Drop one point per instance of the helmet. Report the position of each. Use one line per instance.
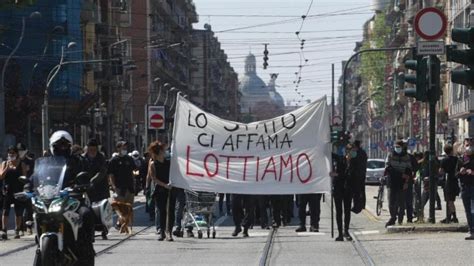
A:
(60, 137)
(135, 154)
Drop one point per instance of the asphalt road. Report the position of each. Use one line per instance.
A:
(288, 247)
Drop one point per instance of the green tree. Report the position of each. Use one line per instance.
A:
(373, 64)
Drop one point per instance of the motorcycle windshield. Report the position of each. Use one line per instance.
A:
(48, 176)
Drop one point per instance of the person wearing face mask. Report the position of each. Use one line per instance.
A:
(398, 169)
(342, 191)
(120, 173)
(10, 172)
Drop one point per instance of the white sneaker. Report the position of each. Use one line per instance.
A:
(470, 236)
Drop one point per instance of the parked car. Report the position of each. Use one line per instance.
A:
(375, 170)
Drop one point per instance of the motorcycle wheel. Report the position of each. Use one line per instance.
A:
(49, 251)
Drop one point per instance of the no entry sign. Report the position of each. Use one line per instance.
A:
(156, 117)
(430, 23)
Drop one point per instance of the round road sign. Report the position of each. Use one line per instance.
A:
(430, 23)
(156, 121)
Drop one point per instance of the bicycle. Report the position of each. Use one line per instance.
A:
(380, 195)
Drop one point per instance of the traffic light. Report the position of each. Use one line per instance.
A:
(335, 136)
(434, 91)
(419, 92)
(462, 56)
(265, 57)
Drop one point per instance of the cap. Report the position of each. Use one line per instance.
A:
(92, 142)
(120, 143)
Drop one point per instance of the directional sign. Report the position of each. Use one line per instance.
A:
(156, 117)
(430, 23)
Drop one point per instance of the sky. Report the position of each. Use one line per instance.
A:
(330, 30)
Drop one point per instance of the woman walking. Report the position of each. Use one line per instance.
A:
(165, 196)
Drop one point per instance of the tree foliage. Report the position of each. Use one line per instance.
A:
(373, 64)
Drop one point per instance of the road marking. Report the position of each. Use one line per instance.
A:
(372, 232)
(311, 234)
(369, 214)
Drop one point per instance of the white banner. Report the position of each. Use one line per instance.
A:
(289, 154)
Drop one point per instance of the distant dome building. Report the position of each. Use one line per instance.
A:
(254, 90)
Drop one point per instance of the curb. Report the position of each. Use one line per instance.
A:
(426, 228)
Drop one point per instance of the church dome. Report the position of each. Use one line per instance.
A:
(277, 99)
(250, 83)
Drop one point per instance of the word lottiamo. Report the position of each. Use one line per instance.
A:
(239, 139)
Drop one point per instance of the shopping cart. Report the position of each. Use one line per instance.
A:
(200, 212)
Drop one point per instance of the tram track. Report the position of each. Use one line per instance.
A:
(267, 249)
(361, 250)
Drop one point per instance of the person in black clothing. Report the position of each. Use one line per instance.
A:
(121, 174)
(227, 204)
(10, 173)
(60, 145)
(28, 159)
(360, 172)
(165, 195)
(466, 178)
(95, 163)
(279, 210)
(314, 202)
(451, 188)
(243, 213)
(342, 192)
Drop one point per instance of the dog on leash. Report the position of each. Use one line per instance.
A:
(125, 213)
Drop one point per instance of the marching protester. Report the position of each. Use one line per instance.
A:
(399, 170)
(466, 177)
(120, 172)
(10, 173)
(314, 202)
(95, 163)
(139, 173)
(243, 213)
(342, 191)
(279, 210)
(227, 204)
(451, 187)
(357, 171)
(165, 195)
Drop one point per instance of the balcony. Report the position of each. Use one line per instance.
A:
(462, 109)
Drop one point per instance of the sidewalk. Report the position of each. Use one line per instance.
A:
(371, 192)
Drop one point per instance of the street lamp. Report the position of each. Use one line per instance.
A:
(33, 15)
(167, 92)
(45, 110)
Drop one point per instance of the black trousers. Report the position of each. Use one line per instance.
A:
(166, 202)
(221, 202)
(396, 203)
(279, 209)
(243, 210)
(262, 206)
(343, 201)
(314, 202)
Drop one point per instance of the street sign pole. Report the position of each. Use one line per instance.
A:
(432, 170)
